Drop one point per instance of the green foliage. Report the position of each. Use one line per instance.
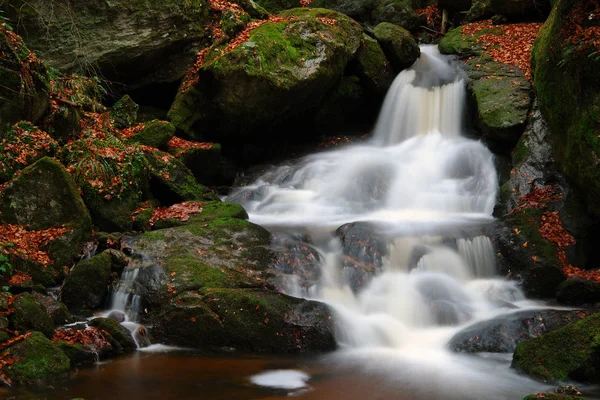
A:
(6, 268)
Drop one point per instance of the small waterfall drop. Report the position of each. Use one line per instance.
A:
(430, 192)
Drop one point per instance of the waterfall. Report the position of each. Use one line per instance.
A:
(430, 193)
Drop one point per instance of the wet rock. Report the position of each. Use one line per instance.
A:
(116, 316)
(372, 67)
(25, 82)
(577, 291)
(44, 196)
(118, 259)
(86, 287)
(78, 355)
(566, 353)
(125, 112)
(446, 300)
(58, 311)
(502, 334)
(397, 44)
(455, 5)
(155, 134)
(256, 320)
(363, 249)
(120, 338)
(236, 100)
(30, 315)
(297, 260)
(38, 360)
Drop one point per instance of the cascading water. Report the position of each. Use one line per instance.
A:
(431, 192)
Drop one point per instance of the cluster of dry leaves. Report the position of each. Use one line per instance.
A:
(28, 244)
(582, 27)
(91, 337)
(433, 15)
(538, 198)
(133, 130)
(509, 44)
(179, 146)
(22, 146)
(182, 212)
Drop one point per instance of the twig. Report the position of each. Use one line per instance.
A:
(432, 30)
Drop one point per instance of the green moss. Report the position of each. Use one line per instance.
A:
(31, 315)
(571, 352)
(372, 66)
(125, 112)
(39, 360)
(86, 287)
(397, 12)
(398, 45)
(189, 273)
(520, 153)
(566, 83)
(527, 222)
(77, 354)
(142, 220)
(155, 134)
(465, 45)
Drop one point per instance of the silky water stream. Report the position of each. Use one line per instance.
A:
(430, 192)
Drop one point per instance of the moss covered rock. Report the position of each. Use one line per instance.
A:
(343, 107)
(203, 159)
(249, 319)
(552, 396)
(38, 360)
(502, 95)
(155, 134)
(120, 337)
(464, 45)
(172, 182)
(44, 196)
(566, 81)
(112, 175)
(397, 12)
(25, 82)
(277, 77)
(31, 315)
(372, 66)
(86, 287)
(577, 291)
(571, 352)
(125, 112)
(397, 43)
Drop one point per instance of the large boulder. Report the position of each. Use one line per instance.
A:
(372, 67)
(277, 77)
(25, 83)
(203, 159)
(578, 291)
(37, 360)
(206, 285)
(119, 337)
(135, 43)
(397, 12)
(86, 286)
(44, 196)
(398, 45)
(567, 85)
(571, 352)
(502, 334)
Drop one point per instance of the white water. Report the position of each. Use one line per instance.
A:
(425, 185)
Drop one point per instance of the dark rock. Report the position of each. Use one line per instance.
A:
(398, 45)
(372, 67)
(502, 334)
(455, 5)
(116, 316)
(512, 10)
(59, 312)
(363, 250)
(567, 353)
(297, 260)
(205, 163)
(31, 315)
(577, 291)
(125, 112)
(86, 287)
(120, 337)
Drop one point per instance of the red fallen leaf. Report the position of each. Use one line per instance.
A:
(182, 212)
(193, 319)
(28, 244)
